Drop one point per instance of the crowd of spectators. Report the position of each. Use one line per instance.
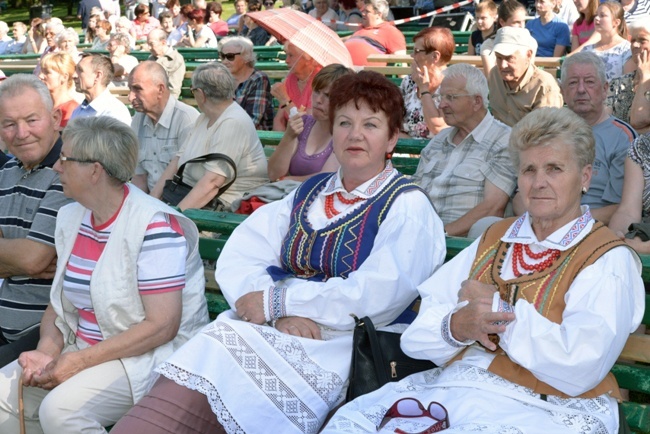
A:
(481, 165)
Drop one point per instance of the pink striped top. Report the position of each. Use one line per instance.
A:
(161, 265)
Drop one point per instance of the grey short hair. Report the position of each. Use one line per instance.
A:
(215, 80)
(123, 40)
(55, 25)
(545, 124)
(639, 25)
(60, 36)
(154, 70)
(583, 58)
(17, 83)
(4, 28)
(245, 46)
(381, 6)
(475, 81)
(106, 140)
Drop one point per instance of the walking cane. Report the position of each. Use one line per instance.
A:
(21, 406)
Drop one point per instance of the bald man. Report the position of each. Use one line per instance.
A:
(162, 123)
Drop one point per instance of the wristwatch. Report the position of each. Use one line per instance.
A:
(647, 95)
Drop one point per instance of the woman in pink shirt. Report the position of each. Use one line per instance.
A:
(144, 22)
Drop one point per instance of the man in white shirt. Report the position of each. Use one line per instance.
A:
(92, 75)
(162, 123)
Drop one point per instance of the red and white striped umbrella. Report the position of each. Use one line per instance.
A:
(306, 33)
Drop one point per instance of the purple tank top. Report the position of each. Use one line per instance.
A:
(302, 164)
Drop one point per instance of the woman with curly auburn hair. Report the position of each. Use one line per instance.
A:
(287, 341)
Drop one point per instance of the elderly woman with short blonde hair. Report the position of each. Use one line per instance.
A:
(57, 72)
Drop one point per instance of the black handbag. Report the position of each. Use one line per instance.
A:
(377, 358)
(175, 189)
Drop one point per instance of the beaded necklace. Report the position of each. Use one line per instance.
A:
(518, 260)
(330, 211)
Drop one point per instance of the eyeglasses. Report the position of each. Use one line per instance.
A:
(194, 89)
(448, 97)
(424, 50)
(228, 56)
(63, 159)
(75, 160)
(412, 408)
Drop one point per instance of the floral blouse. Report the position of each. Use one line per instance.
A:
(614, 58)
(414, 123)
(620, 96)
(640, 153)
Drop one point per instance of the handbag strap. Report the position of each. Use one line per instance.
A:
(178, 177)
(380, 365)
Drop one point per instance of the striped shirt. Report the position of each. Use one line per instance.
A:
(639, 11)
(29, 203)
(161, 265)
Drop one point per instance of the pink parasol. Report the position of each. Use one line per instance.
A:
(306, 33)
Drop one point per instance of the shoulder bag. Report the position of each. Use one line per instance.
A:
(175, 189)
(377, 358)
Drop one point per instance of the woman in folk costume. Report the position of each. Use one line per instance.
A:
(527, 322)
(355, 241)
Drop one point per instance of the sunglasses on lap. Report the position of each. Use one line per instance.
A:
(412, 408)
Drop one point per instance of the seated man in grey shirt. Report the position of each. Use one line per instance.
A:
(584, 87)
(466, 169)
(162, 123)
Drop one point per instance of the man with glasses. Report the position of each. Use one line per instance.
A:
(170, 59)
(466, 169)
(516, 85)
(30, 198)
(93, 74)
(162, 123)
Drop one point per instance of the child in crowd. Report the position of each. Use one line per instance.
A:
(583, 28)
(486, 17)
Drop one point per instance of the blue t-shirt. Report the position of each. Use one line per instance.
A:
(613, 139)
(548, 36)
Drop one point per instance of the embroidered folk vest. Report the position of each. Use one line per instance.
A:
(340, 247)
(545, 290)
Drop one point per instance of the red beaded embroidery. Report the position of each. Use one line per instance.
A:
(330, 211)
(551, 256)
